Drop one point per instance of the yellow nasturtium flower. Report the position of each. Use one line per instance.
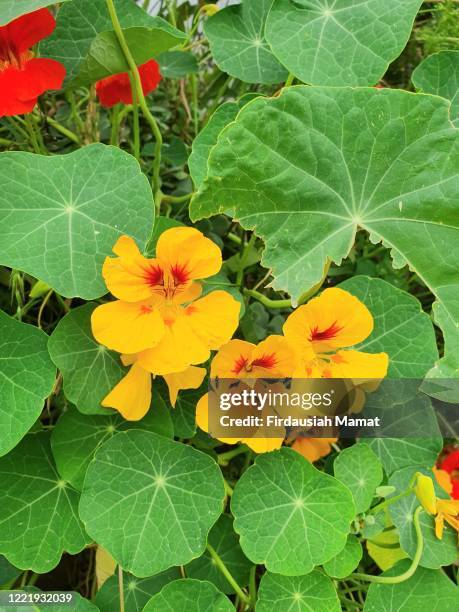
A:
(272, 358)
(320, 329)
(313, 449)
(442, 509)
(159, 322)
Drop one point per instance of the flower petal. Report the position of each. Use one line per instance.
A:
(25, 31)
(273, 358)
(263, 445)
(191, 378)
(188, 254)
(202, 418)
(425, 492)
(313, 449)
(132, 395)
(214, 318)
(335, 319)
(127, 328)
(356, 364)
(231, 357)
(114, 89)
(150, 76)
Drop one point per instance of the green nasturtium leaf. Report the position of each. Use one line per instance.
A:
(313, 592)
(190, 595)
(238, 45)
(401, 328)
(150, 502)
(137, 591)
(8, 572)
(345, 561)
(289, 515)
(38, 515)
(27, 377)
(61, 215)
(177, 64)
(12, 9)
(305, 170)
(435, 553)
(346, 42)
(76, 437)
(439, 74)
(89, 370)
(226, 544)
(93, 52)
(360, 470)
(426, 590)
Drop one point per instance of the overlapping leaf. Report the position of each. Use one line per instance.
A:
(150, 502)
(12, 9)
(283, 495)
(190, 595)
(61, 215)
(360, 470)
(345, 561)
(342, 42)
(92, 52)
(307, 169)
(38, 515)
(238, 45)
(27, 377)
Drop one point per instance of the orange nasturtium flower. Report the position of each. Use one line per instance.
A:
(319, 331)
(442, 509)
(159, 323)
(272, 358)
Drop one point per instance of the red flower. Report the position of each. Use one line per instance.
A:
(117, 88)
(450, 464)
(22, 77)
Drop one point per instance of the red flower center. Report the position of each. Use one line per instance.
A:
(10, 56)
(265, 361)
(325, 334)
(167, 283)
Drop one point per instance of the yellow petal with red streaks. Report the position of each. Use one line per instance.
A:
(191, 378)
(188, 254)
(273, 358)
(132, 395)
(231, 358)
(127, 328)
(336, 319)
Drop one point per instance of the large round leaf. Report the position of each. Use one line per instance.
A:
(12, 9)
(346, 42)
(77, 436)
(427, 590)
(347, 560)
(289, 515)
(38, 514)
(26, 378)
(89, 370)
(189, 595)
(150, 501)
(401, 328)
(313, 592)
(439, 74)
(307, 169)
(238, 45)
(61, 215)
(92, 52)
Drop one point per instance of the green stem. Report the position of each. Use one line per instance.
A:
(243, 260)
(63, 130)
(274, 304)
(194, 92)
(121, 587)
(389, 501)
(135, 120)
(115, 120)
(31, 133)
(177, 199)
(228, 488)
(156, 180)
(224, 458)
(414, 564)
(225, 571)
(253, 584)
(146, 5)
(290, 79)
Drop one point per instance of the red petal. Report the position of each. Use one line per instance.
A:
(150, 76)
(19, 89)
(24, 32)
(114, 89)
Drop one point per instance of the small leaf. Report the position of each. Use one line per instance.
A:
(315, 591)
(12, 9)
(150, 501)
(226, 544)
(177, 64)
(345, 561)
(92, 53)
(339, 43)
(27, 377)
(436, 553)
(38, 515)
(281, 496)
(361, 471)
(61, 215)
(439, 74)
(238, 45)
(189, 595)
(76, 437)
(137, 591)
(426, 590)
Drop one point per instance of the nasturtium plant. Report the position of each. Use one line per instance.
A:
(229, 314)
